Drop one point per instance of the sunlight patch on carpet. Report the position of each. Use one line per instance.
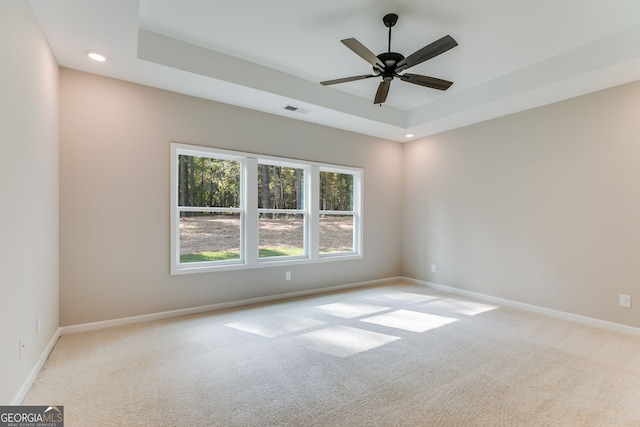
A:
(276, 325)
(343, 341)
(401, 297)
(468, 308)
(349, 310)
(411, 321)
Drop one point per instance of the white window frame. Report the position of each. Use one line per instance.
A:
(249, 242)
(304, 211)
(356, 212)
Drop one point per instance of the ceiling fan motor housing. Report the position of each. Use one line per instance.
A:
(389, 59)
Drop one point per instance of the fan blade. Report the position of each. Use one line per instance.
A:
(364, 53)
(347, 79)
(431, 82)
(427, 52)
(383, 90)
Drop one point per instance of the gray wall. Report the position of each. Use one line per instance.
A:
(114, 198)
(541, 207)
(28, 194)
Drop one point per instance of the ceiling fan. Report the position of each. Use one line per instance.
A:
(389, 64)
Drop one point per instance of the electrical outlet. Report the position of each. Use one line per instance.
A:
(287, 275)
(625, 301)
(433, 268)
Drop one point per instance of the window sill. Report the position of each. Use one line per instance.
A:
(205, 267)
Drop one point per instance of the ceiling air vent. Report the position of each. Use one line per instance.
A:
(296, 109)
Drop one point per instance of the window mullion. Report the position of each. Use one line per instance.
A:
(251, 211)
(357, 206)
(175, 213)
(312, 204)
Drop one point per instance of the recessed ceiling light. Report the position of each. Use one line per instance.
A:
(96, 56)
(409, 135)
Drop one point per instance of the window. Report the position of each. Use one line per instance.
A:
(209, 208)
(281, 216)
(232, 210)
(338, 219)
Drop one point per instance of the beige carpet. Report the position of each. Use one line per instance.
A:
(387, 356)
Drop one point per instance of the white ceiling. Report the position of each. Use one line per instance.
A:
(512, 54)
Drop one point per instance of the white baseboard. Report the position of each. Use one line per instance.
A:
(214, 307)
(589, 321)
(26, 386)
